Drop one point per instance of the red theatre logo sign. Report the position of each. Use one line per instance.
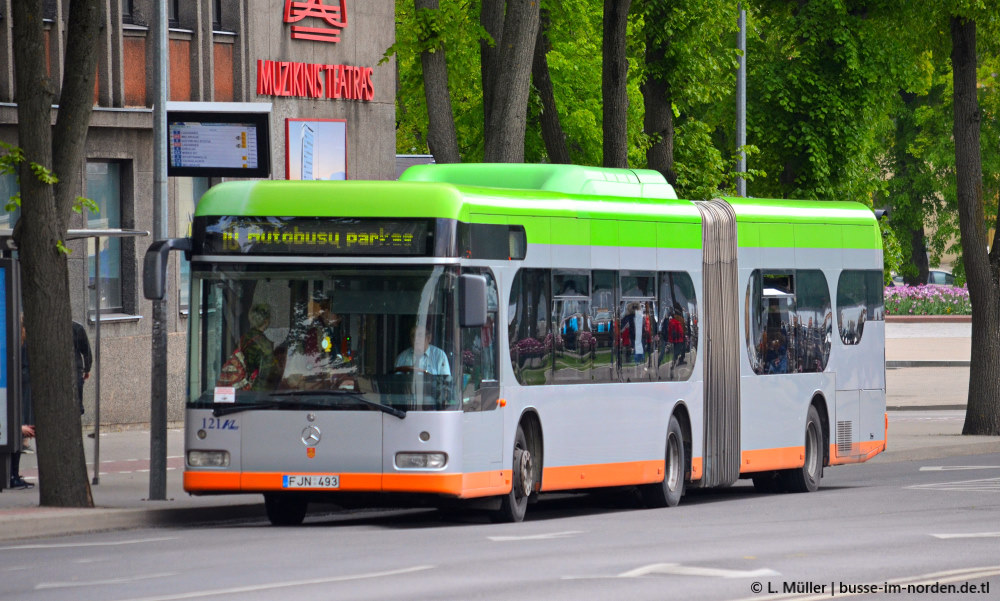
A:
(331, 19)
(315, 20)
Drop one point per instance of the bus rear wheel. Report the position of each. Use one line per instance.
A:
(807, 477)
(514, 504)
(668, 493)
(285, 509)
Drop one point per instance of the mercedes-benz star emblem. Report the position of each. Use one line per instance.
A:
(311, 436)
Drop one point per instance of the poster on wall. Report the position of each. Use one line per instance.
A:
(316, 149)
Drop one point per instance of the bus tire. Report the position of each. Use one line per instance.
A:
(285, 509)
(807, 477)
(668, 492)
(514, 504)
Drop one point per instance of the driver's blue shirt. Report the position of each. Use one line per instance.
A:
(434, 361)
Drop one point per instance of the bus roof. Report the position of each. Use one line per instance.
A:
(559, 195)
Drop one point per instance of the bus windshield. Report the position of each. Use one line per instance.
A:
(364, 338)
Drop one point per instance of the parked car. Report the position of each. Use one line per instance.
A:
(937, 277)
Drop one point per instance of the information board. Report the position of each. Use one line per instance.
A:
(218, 144)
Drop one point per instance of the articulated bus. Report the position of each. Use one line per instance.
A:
(487, 333)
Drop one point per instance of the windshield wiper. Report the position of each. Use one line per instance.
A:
(348, 393)
(236, 408)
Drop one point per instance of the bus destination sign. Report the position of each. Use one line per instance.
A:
(308, 236)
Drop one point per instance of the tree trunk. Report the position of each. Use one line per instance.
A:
(659, 119)
(441, 137)
(62, 470)
(491, 18)
(504, 132)
(982, 270)
(614, 91)
(552, 132)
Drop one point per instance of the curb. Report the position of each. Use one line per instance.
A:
(37, 522)
(928, 318)
(926, 407)
(921, 363)
(940, 452)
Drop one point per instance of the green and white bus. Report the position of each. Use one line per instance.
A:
(492, 332)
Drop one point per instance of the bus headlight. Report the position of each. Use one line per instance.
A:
(208, 458)
(421, 461)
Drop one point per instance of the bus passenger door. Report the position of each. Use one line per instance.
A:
(482, 423)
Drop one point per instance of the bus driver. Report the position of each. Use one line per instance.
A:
(423, 355)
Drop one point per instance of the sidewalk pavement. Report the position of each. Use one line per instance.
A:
(927, 380)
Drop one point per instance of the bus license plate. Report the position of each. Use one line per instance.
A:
(296, 481)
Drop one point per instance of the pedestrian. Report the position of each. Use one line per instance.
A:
(27, 419)
(83, 359)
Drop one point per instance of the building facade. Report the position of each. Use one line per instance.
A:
(332, 117)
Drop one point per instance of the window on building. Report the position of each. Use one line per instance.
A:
(173, 13)
(8, 188)
(104, 187)
(217, 15)
(128, 11)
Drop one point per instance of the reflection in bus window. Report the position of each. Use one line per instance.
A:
(529, 332)
(788, 321)
(859, 299)
(678, 332)
(479, 359)
(574, 341)
(604, 326)
(335, 330)
(638, 322)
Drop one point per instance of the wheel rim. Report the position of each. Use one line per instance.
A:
(522, 465)
(812, 456)
(673, 475)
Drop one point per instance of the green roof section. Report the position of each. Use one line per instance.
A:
(774, 223)
(566, 179)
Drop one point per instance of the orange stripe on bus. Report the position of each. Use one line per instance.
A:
(697, 468)
(763, 460)
(859, 453)
(477, 484)
(603, 474)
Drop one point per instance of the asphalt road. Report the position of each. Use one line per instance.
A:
(877, 524)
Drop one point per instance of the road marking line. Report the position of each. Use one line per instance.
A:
(138, 541)
(969, 535)
(676, 569)
(951, 468)
(548, 536)
(979, 485)
(125, 580)
(279, 585)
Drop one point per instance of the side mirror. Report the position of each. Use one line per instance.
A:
(154, 266)
(472, 300)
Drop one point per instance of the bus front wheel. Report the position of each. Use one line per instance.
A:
(514, 504)
(668, 493)
(285, 509)
(807, 477)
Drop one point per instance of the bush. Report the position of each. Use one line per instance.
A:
(927, 300)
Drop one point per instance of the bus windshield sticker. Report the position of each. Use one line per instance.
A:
(286, 236)
(225, 394)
